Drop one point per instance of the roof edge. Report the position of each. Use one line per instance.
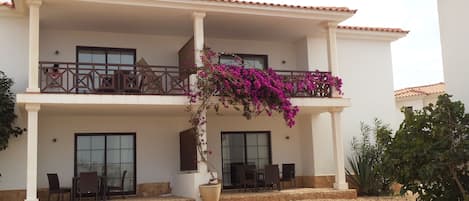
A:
(373, 29)
(370, 33)
(277, 5)
(417, 91)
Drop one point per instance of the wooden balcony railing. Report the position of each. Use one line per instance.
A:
(322, 90)
(92, 78)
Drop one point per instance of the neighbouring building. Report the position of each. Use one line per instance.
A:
(415, 98)
(89, 106)
(454, 42)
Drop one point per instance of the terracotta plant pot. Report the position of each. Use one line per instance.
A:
(210, 192)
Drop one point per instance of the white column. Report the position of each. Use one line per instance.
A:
(198, 27)
(340, 182)
(31, 180)
(33, 84)
(332, 52)
(198, 36)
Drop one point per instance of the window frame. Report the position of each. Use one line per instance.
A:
(105, 134)
(264, 57)
(106, 50)
(244, 133)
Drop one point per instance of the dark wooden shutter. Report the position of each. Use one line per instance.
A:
(186, 59)
(188, 150)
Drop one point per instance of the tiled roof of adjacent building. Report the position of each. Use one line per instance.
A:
(377, 29)
(319, 8)
(424, 90)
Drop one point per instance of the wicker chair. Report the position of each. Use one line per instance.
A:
(288, 173)
(54, 187)
(88, 184)
(272, 176)
(247, 176)
(119, 188)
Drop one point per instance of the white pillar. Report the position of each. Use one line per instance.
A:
(31, 179)
(198, 27)
(33, 84)
(340, 182)
(332, 52)
(198, 36)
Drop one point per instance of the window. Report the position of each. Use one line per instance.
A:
(239, 148)
(98, 68)
(104, 55)
(248, 60)
(109, 155)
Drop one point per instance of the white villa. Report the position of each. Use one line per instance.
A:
(86, 108)
(415, 98)
(454, 42)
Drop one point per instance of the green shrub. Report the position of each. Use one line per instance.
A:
(7, 112)
(429, 154)
(367, 169)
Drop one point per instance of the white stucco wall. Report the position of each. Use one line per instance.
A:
(157, 49)
(454, 42)
(366, 69)
(14, 62)
(157, 140)
(276, 51)
(14, 50)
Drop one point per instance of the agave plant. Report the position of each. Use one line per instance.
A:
(367, 171)
(363, 175)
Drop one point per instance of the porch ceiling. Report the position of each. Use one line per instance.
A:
(91, 16)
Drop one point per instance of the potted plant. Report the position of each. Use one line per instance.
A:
(248, 90)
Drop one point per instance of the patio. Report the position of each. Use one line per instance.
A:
(290, 194)
(283, 195)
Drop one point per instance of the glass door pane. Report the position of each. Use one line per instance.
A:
(120, 158)
(258, 150)
(252, 148)
(90, 154)
(254, 62)
(233, 148)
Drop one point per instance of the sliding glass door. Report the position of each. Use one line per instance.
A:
(239, 148)
(109, 155)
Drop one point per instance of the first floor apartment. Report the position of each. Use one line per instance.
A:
(146, 143)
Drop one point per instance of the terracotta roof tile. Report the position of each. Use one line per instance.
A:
(319, 8)
(377, 29)
(424, 90)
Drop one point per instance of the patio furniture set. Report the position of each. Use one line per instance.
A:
(87, 184)
(247, 176)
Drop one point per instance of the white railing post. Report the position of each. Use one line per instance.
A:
(33, 81)
(31, 167)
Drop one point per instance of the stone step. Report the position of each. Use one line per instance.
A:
(290, 195)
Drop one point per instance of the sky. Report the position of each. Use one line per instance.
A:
(417, 57)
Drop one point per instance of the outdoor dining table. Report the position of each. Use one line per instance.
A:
(103, 187)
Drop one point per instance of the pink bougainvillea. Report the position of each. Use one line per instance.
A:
(253, 91)
(250, 91)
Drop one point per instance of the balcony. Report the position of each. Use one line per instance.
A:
(122, 79)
